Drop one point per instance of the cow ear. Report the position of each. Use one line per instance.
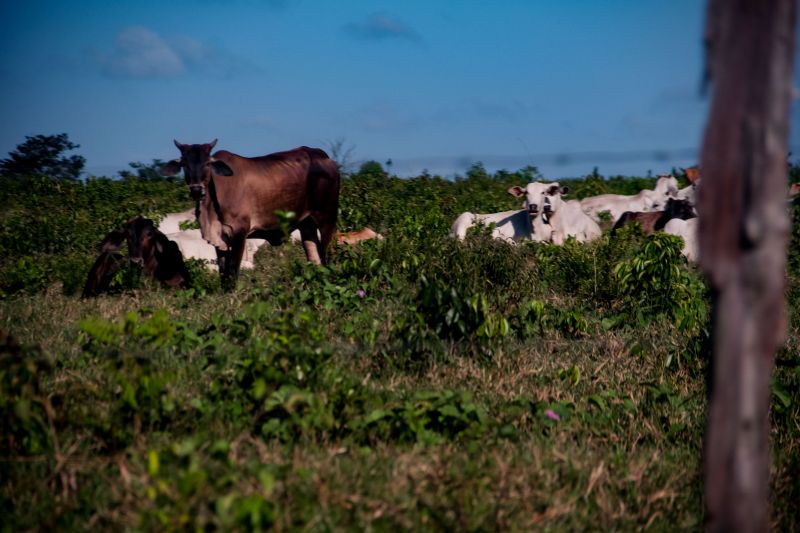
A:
(221, 167)
(170, 168)
(516, 190)
(564, 190)
(113, 241)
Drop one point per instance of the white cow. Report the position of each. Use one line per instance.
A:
(553, 219)
(688, 193)
(644, 201)
(509, 226)
(687, 230)
(666, 184)
(172, 222)
(193, 246)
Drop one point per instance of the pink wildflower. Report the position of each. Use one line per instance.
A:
(552, 415)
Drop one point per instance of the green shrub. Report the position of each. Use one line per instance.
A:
(655, 281)
(142, 395)
(26, 414)
(187, 487)
(427, 417)
(586, 270)
(49, 228)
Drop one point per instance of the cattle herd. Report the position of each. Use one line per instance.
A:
(547, 217)
(239, 203)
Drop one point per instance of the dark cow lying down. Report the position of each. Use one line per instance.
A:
(655, 221)
(147, 247)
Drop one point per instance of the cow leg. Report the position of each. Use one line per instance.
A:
(311, 241)
(229, 261)
(326, 232)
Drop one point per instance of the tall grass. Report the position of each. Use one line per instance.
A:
(413, 383)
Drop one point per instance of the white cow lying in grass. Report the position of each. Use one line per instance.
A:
(509, 226)
(553, 219)
(546, 218)
(193, 246)
(172, 222)
(644, 201)
(687, 230)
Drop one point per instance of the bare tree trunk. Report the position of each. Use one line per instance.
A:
(744, 229)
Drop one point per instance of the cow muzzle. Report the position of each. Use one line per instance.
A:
(138, 261)
(197, 192)
(533, 210)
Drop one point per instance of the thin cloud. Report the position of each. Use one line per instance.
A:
(382, 27)
(142, 53)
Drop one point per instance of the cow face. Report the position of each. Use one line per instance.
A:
(140, 234)
(540, 198)
(197, 165)
(142, 241)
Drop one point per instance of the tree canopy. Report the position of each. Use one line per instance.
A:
(43, 155)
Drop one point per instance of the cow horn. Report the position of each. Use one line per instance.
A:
(179, 145)
(212, 144)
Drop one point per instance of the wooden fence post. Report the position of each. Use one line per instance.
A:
(744, 229)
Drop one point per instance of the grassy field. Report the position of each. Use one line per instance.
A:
(414, 383)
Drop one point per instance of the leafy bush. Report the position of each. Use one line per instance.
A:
(287, 352)
(427, 417)
(143, 390)
(654, 282)
(186, 486)
(26, 414)
(49, 228)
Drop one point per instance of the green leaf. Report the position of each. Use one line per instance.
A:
(597, 401)
(152, 463)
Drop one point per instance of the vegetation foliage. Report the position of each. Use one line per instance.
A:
(42, 155)
(413, 383)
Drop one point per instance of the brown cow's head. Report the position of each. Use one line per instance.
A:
(142, 238)
(692, 173)
(197, 165)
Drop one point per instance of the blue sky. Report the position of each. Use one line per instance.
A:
(435, 85)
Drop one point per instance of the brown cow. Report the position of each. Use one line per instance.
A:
(147, 247)
(354, 237)
(655, 221)
(692, 173)
(102, 272)
(238, 197)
